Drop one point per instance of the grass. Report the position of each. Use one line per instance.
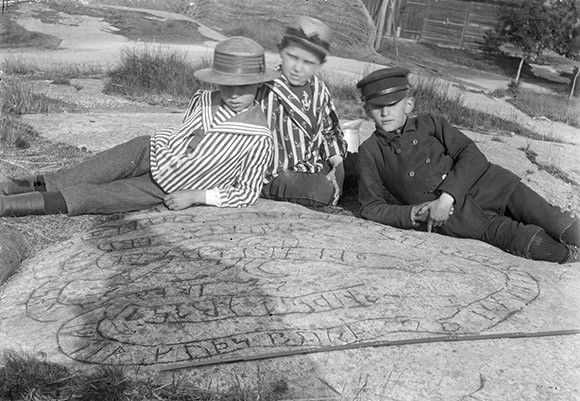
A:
(554, 107)
(17, 96)
(35, 68)
(345, 97)
(28, 377)
(152, 73)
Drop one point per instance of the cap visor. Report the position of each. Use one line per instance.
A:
(388, 100)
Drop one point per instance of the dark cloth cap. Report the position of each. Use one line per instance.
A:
(310, 32)
(385, 87)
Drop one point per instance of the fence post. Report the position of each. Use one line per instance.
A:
(465, 24)
(381, 25)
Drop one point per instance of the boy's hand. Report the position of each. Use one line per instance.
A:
(180, 200)
(439, 210)
(419, 214)
(337, 168)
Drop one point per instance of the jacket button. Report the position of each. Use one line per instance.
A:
(415, 142)
(427, 161)
(411, 173)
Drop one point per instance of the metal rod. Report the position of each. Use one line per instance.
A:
(384, 343)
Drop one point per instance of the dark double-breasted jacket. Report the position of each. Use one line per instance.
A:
(418, 162)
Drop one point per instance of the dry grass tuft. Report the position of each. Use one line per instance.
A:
(552, 106)
(149, 72)
(24, 376)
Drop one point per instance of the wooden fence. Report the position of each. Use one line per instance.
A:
(450, 23)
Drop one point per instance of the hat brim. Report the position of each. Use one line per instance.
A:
(213, 77)
(389, 99)
(308, 44)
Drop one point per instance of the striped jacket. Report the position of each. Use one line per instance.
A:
(232, 156)
(299, 146)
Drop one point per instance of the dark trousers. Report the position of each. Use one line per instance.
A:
(308, 189)
(527, 213)
(115, 180)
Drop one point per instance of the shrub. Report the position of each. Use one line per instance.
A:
(150, 71)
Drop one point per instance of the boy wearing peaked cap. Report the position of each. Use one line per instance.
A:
(444, 183)
(309, 148)
(218, 156)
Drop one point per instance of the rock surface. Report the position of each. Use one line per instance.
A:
(158, 288)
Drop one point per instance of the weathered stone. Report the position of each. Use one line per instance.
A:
(154, 289)
(13, 250)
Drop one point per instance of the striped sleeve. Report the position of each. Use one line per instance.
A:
(246, 188)
(333, 143)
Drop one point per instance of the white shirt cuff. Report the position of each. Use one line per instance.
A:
(212, 197)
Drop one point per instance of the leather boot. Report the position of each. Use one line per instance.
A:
(18, 185)
(572, 256)
(22, 205)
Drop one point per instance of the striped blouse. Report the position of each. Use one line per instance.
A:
(298, 144)
(232, 156)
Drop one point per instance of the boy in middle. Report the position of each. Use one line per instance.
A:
(307, 166)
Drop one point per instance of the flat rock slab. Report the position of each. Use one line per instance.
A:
(159, 288)
(96, 132)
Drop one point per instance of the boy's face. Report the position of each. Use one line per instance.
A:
(298, 64)
(392, 117)
(239, 98)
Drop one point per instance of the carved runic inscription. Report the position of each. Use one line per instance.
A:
(179, 287)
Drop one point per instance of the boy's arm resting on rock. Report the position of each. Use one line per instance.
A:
(371, 197)
(246, 190)
(185, 198)
(469, 162)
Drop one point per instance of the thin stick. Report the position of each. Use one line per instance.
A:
(304, 351)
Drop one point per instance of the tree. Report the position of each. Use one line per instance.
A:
(567, 12)
(536, 25)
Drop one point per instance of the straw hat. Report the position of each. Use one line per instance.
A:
(310, 32)
(237, 61)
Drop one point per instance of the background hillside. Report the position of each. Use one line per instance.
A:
(264, 20)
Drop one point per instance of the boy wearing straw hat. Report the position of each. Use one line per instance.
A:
(309, 147)
(218, 156)
(444, 183)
